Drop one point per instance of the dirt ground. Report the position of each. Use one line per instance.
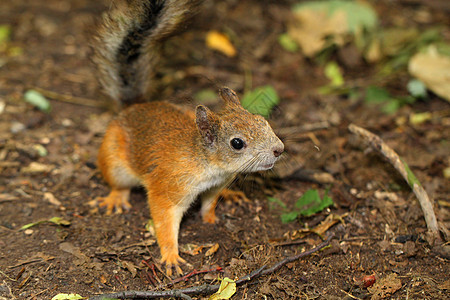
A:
(48, 166)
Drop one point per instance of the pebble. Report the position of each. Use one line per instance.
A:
(17, 127)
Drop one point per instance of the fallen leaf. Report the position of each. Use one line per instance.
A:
(52, 199)
(334, 74)
(193, 249)
(68, 297)
(59, 221)
(445, 285)
(287, 42)
(433, 69)
(70, 248)
(226, 290)
(212, 250)
(130, 267)
(417, 88)
(220, 42)
(326, 224)
(35, 167)
(318, 24)
(38, 100)
(419, 118)
(5, 33)
(385, 287)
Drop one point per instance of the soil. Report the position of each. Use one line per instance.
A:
(48, 166)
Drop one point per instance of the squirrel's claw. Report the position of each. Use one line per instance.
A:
(235, 196)
(169, 269)
(116, 200)
(173, 262)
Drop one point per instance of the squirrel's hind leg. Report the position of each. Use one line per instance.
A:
(113, 162)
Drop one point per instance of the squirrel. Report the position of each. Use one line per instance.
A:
(176, 154)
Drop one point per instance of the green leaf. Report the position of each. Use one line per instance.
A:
(311, 203)
(419, 118)
(37, 99)
(5, 33)
(417, 88)
(59, 221)
(226, 290)
(277, 201)
(376, 95)
(26, 226)
(261, 100)
(333, 72)
(55, 220)
(289, 217)
(391, 106)
(287, 43)
(68, 297)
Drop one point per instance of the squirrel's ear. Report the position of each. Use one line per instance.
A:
(206, 123)
(229, 96)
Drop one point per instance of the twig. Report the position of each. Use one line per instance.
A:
(71, 99)
(287, 131)
(291, 243)
(207, 288)
(312, 175)
(298, 256)
(377, 143)
(348, 294)
(195, 272)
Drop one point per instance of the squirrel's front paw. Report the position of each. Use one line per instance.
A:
(117, 199)
(172, 261)
(235, 196)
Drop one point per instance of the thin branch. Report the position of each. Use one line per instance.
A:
(206, 288)
(378, 144)
(71, 99)
(195, 272)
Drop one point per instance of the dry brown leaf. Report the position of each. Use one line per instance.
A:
(310, 29)
(52, 199)
(130, 267)
(445, 285)
(212, 250)
(385, 287)
(35, 167)
(433, 69)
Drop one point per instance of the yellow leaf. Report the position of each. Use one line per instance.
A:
(226, 290)
(212, 250)
(220, 42)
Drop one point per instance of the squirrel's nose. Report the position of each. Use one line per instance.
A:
(278, 150)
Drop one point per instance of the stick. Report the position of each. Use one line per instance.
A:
(71, 99)
(207, 288)
(377, 143)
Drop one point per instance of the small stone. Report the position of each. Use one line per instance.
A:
(17, 127)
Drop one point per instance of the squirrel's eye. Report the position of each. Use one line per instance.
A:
(237, 143)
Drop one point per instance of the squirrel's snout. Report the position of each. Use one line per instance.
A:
(277, 151)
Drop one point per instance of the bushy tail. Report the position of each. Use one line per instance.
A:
(128, 41)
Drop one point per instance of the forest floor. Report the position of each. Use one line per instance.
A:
(48, 166)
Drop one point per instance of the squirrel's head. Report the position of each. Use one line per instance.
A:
(236, 139)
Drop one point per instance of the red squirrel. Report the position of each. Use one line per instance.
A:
(176, 154)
